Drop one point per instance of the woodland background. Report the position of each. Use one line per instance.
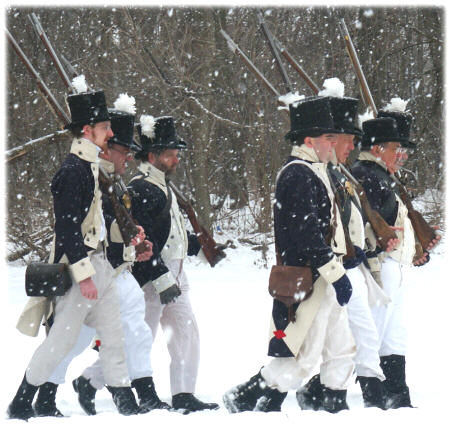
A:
(174, 61)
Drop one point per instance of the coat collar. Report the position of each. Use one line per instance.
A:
(368, 156)
(85, 149)
(107, 165)
(153, 172)
(305, 153)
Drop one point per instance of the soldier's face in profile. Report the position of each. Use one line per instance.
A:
(344, 146)
(119, 155)
(99, 134)
(322, 145)
(401, 158)
(389, 153)
(167, 161)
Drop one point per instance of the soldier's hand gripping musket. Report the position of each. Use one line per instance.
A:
(213, 252)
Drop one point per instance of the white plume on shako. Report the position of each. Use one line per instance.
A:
(396, 105)
(147, 125)
(79, 83)
(290, 98)
(333, 87)
(125, 103)
(365, 117)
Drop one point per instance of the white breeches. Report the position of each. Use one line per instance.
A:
(390, 319)
(72, 311)
(363, 328)
(138, 337)
(328, 337)
(179, 325)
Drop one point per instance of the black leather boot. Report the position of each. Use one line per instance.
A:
(334, 400)
(148, 398)
(396, 389)
(244, 397)
(124, 399)
(372, 392)
(86, 394)
(188, 403)
(311, 395)
(45, 405)
(20, 407)
(271, 400)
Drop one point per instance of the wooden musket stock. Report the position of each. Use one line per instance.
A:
(208, 244)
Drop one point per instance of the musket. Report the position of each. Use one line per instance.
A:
(250, 65)
(71, 70)
(381, 229)
(42, 87)
(275, 52)
(211, 250)
(276, 49)
(365, 90)
(49, 48)
(424, 233)
(315, 88)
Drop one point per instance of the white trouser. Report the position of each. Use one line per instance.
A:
(390, 319)
(138, 337)
(72, 311)
(179, 324)
(84, 340)
(329, 336)
(363, 328)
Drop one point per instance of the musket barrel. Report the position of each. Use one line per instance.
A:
(49, 48)
(357, 67)
(48, 96)
(296, 66)
(275, 52)
(236, 50)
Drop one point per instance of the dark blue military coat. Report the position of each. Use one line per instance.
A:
(301, 224)
(148, 202)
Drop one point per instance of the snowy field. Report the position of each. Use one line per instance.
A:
(232, 307)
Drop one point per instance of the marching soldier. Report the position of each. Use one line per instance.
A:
(80, 241)
(383, 141)
(308, 233)
(365, 291)
(162, 278)
(138, 336)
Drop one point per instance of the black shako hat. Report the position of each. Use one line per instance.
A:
(404, 122)
(122, 124)
(344, 112)
(378, 131)
(311, 117)
(165, 136)
(87, 108)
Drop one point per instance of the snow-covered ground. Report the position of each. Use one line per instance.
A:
(232, 307)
